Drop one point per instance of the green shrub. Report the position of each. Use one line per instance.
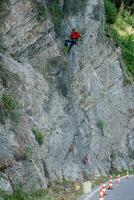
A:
(38, 135)
(110, 11)
(17, 195)
(101, 124)
(8, 102)
(8, 105)
(56, 14)
(127, 44)
(41, 11)
(126, 18)
(127, 4)
(120, 26)
(122, 32)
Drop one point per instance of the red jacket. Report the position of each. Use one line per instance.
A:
(75, 35)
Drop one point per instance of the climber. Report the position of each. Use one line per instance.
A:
(75, 35)
(74, 38)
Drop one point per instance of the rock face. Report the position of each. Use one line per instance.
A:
(76, 103)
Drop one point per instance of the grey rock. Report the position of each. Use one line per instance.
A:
(64, 97)
(5, 184)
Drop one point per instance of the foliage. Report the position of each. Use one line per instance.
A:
(126, 42)
(8, 102)
(127, 4)
(8, 105)
(50, 194)
(110, 11)
(101, 124)
(56, 14)
(38, 135)
(122, 30)
(17, 195)
(41, 11)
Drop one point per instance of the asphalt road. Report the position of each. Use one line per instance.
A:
(122, 191)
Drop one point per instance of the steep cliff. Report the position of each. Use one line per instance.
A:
(58, 109)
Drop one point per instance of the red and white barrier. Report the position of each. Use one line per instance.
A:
(101, 196)
(110, 184)
(104, 190)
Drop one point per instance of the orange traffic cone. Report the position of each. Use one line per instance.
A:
(101, 196)
(127, 175)
(118, 179)
(104, 190)
(110, 185)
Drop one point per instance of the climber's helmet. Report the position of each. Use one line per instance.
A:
(73, 29)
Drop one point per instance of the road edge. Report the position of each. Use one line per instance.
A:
(88, 196)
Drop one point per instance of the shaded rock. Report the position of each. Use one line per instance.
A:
(5, 184)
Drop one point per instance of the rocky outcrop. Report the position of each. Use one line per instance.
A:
(74, 115)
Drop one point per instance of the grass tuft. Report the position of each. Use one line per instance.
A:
(8, 105)
(101, 124)
(38, 135)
